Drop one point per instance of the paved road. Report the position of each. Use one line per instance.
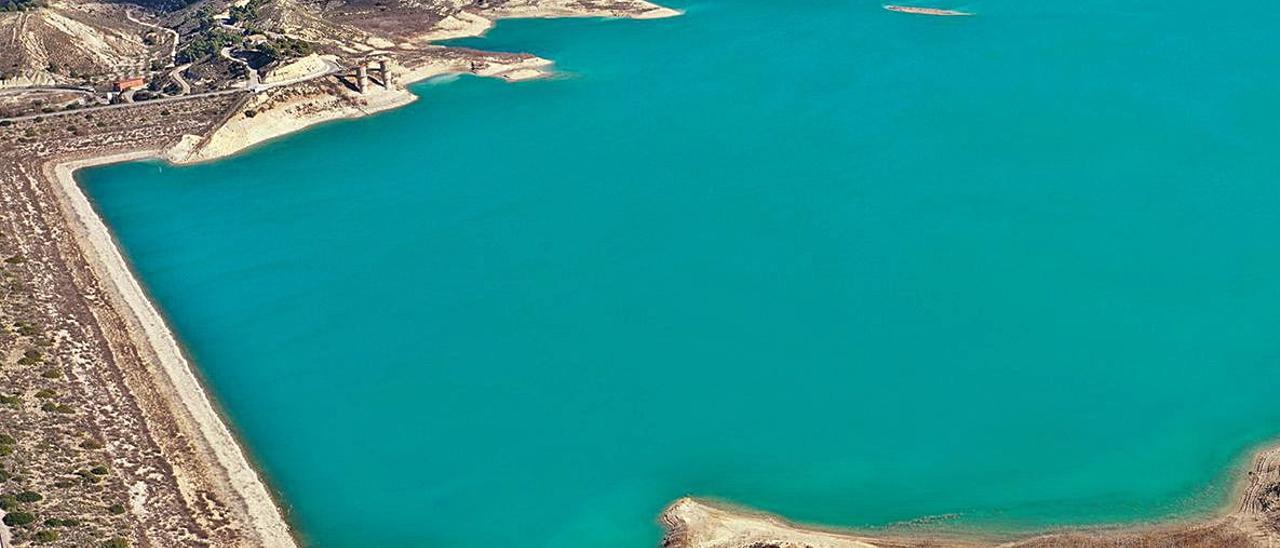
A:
(161, 100)
(24, 89)
(331, 67)
(248, 70)
(176, 76)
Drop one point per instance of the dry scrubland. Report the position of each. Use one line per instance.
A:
(101, 451)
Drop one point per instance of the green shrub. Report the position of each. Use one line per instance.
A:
(55, 522)
(10, 400)
(28, 496)
(19, 5)
(46, 536)
(7, 502)
(16, 519)
(46, 393)
(99, 470)
(25, 328)
(6, 439)
(116, 509)
(205, 45)
(57, 407)
(51, 374)
(88, 477)
(31, 357)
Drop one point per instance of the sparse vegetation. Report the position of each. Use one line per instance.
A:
(55, 522)
(46, 536)
(87, 477)
(18, 519)
(28, 496)
(208, 43)
(116, 509)
(116, 543)
(20, 5)
(30, 357)
(284, 48)
(245, 13)
(57, 408)
(25, 328)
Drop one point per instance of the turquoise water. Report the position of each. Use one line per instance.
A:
(818, 258)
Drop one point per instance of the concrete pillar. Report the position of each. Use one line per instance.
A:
(386, 75)
(362, 78)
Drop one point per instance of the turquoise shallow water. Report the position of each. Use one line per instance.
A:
(813, 257)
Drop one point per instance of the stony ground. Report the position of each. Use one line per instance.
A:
(92, 454)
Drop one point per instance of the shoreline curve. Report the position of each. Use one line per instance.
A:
(265, 516)
(1250, 516)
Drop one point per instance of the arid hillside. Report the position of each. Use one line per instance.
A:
(76, 43)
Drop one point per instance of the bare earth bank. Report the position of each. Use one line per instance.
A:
(1252, 518)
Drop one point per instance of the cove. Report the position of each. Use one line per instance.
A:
(817, 258)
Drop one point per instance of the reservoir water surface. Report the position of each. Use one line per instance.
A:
(814, 257)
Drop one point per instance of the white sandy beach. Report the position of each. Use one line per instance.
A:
(170, 364)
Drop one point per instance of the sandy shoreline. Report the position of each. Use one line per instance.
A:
(1249, 517)
(265, 518)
